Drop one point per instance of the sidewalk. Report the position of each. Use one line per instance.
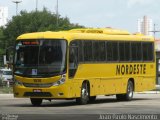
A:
(158, 87)
(6, 96)
(156, 91)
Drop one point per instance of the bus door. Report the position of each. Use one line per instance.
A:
(73, 65)
(73, 61)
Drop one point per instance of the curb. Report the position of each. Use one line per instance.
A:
(6, 94)
(156, 91)
(148, 92)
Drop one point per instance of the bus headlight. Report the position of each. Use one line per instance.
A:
(60, 81)
(18, 83)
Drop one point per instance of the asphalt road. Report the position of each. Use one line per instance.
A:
(67, 109)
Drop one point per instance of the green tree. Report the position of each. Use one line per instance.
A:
(2, 45)
(35, 21)
(2, 41)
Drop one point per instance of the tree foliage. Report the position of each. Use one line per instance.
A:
(35, 21)
(2, 42)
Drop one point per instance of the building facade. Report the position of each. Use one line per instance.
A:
(145, 26)
(3, 16)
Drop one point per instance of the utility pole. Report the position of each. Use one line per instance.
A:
(36, 5)
(16, 2)
(154, 31)
(57, 14)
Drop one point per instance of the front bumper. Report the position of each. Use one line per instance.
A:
(57, 92)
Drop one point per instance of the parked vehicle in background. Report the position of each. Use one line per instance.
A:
(6, 77)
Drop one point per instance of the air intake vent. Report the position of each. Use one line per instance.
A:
(46, 85)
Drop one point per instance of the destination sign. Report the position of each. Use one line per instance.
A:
(30, 43)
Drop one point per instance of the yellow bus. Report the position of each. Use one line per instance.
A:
(83, 63)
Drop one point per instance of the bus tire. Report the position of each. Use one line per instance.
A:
(36, 101)
(129, 93)
(84, 98)
(130, 90)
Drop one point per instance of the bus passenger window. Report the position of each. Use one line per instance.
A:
(112, 51)
(88, 57)
(147, 51)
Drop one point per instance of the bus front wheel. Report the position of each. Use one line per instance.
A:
(84, 98)
(129, 93)
(36, 101)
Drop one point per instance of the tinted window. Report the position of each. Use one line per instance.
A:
(115, 51)
(109, 51)
(40, 58)
(136, 51)
(73, 60)
(147, 51)
(88, 51)
(112, 51)
(122, 51)
(80, 51)
(102, 53)
(99, 52)
(139, 51)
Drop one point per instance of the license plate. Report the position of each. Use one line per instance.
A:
(37, 90)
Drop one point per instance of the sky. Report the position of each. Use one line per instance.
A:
(122, 14)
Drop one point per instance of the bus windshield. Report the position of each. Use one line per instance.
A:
(40, 58)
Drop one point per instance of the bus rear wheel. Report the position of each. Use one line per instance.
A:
(84, 98)
(129, 93)
(36, 101)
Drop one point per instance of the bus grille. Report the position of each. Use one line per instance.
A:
(38, 85)
(37, 94)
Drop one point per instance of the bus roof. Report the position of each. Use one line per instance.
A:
(84, 34)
